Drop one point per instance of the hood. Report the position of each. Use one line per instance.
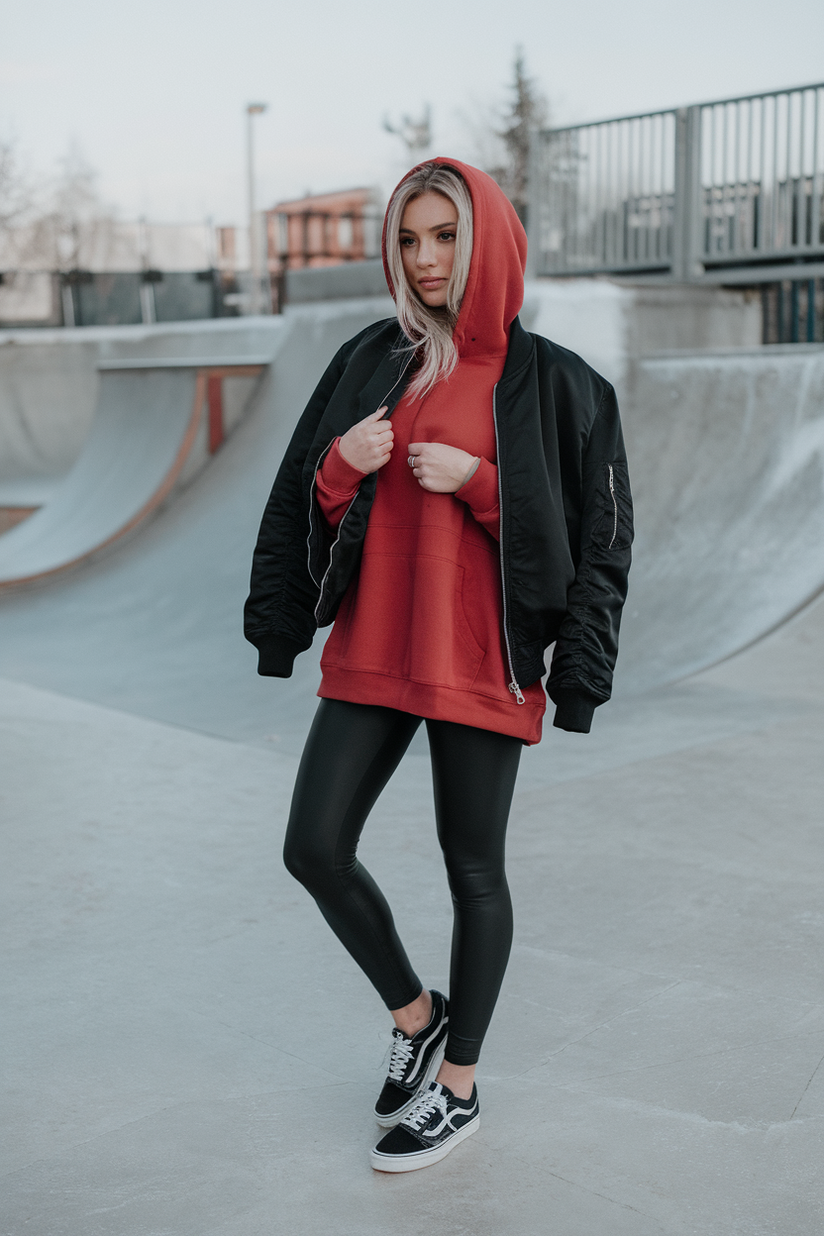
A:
(495, 287)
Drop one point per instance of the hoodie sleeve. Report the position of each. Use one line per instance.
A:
(480, 493)
(336, 484)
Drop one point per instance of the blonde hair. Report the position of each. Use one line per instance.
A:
(429, 330)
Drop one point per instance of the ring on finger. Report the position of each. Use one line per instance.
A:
(411, 460)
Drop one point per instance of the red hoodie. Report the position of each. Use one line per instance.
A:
(420, 627)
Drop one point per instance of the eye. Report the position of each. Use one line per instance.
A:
(446, 236)
(407, 242)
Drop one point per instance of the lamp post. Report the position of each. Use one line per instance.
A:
(257, 302)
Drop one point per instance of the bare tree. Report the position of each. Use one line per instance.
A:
(66, 221)
(76, 205)
(15, 199)
(416, 135)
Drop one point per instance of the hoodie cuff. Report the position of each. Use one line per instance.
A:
(480, 492)
(574, 710)
(338, 474)
(276, 655)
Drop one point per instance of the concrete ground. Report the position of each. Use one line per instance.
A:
(189, 1052)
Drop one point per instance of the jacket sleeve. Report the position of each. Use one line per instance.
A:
(279, 617)
(587, 644)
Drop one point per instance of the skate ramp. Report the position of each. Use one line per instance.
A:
(727, 463)
(48, 393)
(157, 423)
(154, 627)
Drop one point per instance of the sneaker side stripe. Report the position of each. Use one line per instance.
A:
(424, 1049)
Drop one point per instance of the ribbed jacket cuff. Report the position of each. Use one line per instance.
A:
(574, 710)
(276, 655)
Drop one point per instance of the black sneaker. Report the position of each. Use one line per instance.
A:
(412, 1064)
(434, 1126)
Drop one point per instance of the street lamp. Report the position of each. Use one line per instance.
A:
(257, 301)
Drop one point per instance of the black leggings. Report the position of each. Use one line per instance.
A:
(351, 752)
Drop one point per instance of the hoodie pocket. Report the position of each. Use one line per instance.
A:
(613, 526)
(407, 619)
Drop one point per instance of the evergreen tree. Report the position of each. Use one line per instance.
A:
(527, 111)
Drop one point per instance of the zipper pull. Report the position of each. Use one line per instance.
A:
(517, 692)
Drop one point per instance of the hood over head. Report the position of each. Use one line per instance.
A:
(495, 287)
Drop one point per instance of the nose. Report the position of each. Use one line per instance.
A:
(427, 255)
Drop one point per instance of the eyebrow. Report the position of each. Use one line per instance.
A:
(439, 227)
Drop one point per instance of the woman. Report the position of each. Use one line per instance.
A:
(455, 498)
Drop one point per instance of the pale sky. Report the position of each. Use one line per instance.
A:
(154, 93)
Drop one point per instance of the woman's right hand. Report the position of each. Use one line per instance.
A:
(367, 446)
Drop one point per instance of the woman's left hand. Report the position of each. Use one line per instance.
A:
(440, 468)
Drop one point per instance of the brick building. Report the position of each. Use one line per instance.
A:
(325, 229)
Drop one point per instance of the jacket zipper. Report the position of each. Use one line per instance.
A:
(320, 586)
(615, 505)
(513, 684)
(321, 458)
(331, 552)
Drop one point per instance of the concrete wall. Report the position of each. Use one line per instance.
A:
(335, 282)
(611, 324)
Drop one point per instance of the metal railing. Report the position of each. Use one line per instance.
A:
(689, 193)
(792, 311)
(77, 297)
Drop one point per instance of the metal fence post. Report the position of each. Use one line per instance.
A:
(687, 213)
(534, 184)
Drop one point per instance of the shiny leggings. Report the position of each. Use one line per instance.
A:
(351, 752)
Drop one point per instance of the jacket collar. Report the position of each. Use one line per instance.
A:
(389, 379)
(387, 383)
(520, 351)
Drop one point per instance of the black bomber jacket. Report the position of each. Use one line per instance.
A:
(565, 511)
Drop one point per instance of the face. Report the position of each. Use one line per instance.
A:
(427, 239)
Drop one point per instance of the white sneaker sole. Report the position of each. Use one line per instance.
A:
(390, 1119)
(423, 1158)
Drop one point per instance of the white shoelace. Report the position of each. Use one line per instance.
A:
(429, 1102)
(400, 1057)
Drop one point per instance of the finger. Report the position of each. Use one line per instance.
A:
(415, 448)
(374, 416)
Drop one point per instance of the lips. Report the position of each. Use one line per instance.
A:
(429, 284)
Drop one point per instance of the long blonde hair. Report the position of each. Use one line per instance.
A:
(429, 330)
